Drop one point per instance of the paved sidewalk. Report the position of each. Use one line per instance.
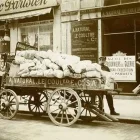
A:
(128, 107)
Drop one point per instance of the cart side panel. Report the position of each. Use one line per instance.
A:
(42, 82)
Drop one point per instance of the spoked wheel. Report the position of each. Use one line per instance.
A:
(37, 103)
(64, 107)
(9, 104)
(87, 102)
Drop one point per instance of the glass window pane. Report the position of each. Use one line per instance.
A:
(29, 35)
(39, 36)
(119, 25)
(45, 37)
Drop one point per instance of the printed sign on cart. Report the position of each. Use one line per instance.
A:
(90, 83)
(122, 67)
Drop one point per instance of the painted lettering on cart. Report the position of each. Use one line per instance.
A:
(50, 82)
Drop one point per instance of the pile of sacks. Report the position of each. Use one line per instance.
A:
(50, 64)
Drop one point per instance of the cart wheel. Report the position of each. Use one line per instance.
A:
(87, 102)
(9, 104)
(37, 104)
(62, 105)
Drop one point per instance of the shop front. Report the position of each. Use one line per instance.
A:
(31, 22)
(121, 40)
(81, 28)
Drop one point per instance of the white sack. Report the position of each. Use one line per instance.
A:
(33, 73)
(40, 73)
(25, 74)
(49, 73)
(93, 74)
(91, 67)
(40, 66)
(67, 73)
(53, 66)
(46, 62)
(19, 60)
(23, 71)
(29, 54)
(26, 65)
(58, 73)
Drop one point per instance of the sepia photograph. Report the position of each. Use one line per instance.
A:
(69, 69)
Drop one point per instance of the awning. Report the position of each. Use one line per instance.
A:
(25, 14)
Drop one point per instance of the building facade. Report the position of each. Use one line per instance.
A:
(86, 28)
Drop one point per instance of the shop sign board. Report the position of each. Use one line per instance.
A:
(22, 46)
(14, 6)
(120, 11)
(123, 68)
(84, 37)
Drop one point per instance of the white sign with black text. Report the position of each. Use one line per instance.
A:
(123, 68)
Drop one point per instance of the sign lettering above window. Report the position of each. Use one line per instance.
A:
(14, 6)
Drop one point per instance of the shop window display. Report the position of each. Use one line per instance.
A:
(39, 36)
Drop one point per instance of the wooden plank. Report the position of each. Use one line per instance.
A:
(42, 82)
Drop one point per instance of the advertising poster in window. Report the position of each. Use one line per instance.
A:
(84, 37)
(123, 68)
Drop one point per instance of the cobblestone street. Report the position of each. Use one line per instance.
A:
(26, 127)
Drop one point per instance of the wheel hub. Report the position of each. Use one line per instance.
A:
(63, 106)
(6, 104)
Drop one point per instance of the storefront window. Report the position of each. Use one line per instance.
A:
(38, 36)
(119, 35)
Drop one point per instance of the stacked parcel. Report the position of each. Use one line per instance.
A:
(33, 63)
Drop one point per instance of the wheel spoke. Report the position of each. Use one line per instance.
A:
(71, 114)
(7, 112)
(12, 103)
(72, 102)
(58, 114)
(42, 98)
(33, 108)
(12, 99)
(6, 96)
(9, 97)
(83, 110)
(69, 98)
(67, 117)
(55, 100)
(41, 108)
(86, 113)
(12, 108)
(38, 109)
(11, 111)
(90, 114)
(55, 110)
(62, 117)
(64, 96)
(59, 92)
(44, 101)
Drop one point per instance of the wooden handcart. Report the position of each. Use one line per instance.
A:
(64, 100)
